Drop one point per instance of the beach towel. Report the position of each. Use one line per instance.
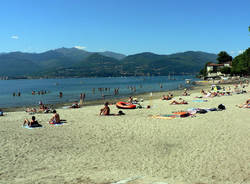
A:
(202, 111)
(166, 116)
(26, 126)
(56, 124)
(199, 100)
(182, 114)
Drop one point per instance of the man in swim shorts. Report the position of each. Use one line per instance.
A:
(55, 119)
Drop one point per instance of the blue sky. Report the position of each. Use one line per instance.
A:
(125, 26)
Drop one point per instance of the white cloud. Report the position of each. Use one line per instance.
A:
(241, 51)
(80, 47)
(232, 52)
(102, 50)
(15, 37)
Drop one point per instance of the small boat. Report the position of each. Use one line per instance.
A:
(125, 105)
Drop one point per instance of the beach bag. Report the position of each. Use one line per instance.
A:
(221, 107)
(202, 111)
(212, 109)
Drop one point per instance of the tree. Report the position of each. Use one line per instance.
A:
(224, 57)
(203, 71)
(225, 70)
(241, 63)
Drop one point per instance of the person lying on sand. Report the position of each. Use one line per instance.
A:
(178, 103)
(55, 118)
(164, 97)
(245, 105)
(31, 110)
(75, 105)
(32, 123)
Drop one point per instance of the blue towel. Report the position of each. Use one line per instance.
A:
(26, 126)
(199, 100)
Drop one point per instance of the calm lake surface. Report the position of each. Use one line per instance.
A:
(72, 87)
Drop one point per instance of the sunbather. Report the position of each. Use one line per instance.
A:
(55, 118)
(164, 97)
(105, 110)
(31, 110)
(245, 105)
(185, 93)
(178, 103)
(75, 105)
(32, 123)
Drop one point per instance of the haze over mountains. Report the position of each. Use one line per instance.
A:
(73, 62)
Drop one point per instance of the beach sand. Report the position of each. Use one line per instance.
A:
(211, 148)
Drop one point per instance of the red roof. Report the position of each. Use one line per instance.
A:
(214, 64)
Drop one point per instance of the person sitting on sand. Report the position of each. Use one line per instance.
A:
(130, 100)
(105, 110)
(178, 103)
(1, 112)
(55, 118)
(32, 123)
(185, 93)
(245, 105)
(203, 92)
(171, 95)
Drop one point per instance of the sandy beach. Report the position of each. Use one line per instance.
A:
(211, 148)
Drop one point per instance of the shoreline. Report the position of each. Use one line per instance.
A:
(198, 85)
(112, 99)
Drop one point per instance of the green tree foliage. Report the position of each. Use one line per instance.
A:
(203, 71)
(224, 57)
(225, 70)
(241, 63)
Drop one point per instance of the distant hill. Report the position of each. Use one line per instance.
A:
(73, 62)
(113, 55)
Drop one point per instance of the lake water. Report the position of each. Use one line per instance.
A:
(72, 87)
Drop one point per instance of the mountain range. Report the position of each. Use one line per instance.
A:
(73, 62)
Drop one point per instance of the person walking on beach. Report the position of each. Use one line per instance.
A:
(81, 99)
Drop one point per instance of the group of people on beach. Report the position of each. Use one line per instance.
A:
(34, 123)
